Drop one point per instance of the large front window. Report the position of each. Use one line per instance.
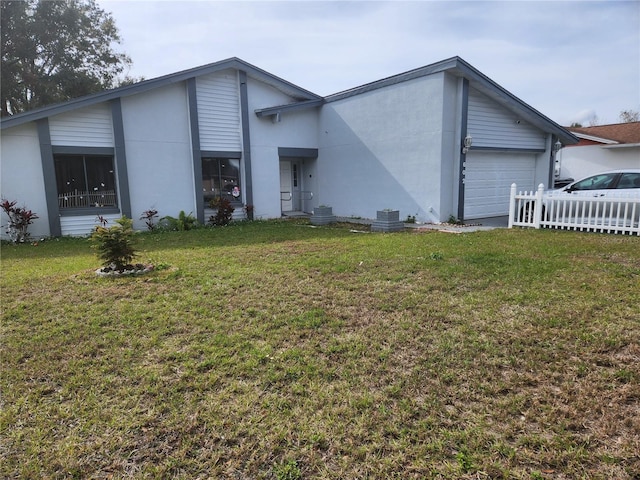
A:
(221, 179)
(85, 181)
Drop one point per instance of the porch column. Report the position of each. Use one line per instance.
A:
(49, 173)
(122, 176)
(196, 154)
(246, 138)
(464, 113)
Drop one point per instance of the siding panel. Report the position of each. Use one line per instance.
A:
(219, 112)
(491, 125)
(82, 225)
(87, 127)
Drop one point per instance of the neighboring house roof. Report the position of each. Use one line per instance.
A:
(288, 88)
(614, 134)
(305, 99)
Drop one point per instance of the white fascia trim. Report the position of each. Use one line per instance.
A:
(595, 139)
(621, 145)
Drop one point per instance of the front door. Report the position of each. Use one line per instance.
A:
(289, 185)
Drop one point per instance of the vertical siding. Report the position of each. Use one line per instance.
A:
(219, 112)
(491, 125)
(83, 224)
(87, 127)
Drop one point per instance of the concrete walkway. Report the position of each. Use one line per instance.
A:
(466, 227)
(470, 226)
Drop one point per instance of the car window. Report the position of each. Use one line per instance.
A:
(629, 180)
(596, 182)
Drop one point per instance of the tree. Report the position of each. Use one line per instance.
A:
(628, 116)
(53, 51)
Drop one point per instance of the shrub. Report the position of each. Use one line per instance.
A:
(19, 220)
(224, 214)
(148, 217)
(182, 223)
(115, 244)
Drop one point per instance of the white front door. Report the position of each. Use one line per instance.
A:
(289, 185)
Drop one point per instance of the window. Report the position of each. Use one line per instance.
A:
(221, 179)
(85, 181)
(596, 182)
(629, 180)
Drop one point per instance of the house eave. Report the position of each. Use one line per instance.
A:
(146, 85)
(290, 107)
(458, 67)
(484, 84)
(620, 145)
(592, 138)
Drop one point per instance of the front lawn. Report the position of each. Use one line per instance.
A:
(273, 350)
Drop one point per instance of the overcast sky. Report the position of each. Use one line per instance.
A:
(569, 60)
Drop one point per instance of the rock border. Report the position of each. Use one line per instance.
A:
(138, 269)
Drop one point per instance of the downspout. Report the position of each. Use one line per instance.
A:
(463, 156)
(246, 141)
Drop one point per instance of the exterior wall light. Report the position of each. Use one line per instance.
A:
(557, 146)
(468, 141)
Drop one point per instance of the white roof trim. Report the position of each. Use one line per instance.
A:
(621, 145)
(606, 141)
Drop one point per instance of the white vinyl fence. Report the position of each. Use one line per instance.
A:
(611, 214)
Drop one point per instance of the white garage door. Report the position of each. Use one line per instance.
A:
(488, 179)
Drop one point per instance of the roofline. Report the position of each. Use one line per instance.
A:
(621, 145)
(394, 79)
(265, 112)
(593, 138)
(460, 67)
(146, 85)
(454, 65)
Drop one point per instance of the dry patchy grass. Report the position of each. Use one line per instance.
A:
(273, 350)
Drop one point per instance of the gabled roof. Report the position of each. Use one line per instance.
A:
(608, 134)
(288, 88)
(460, 68)
(305, 99)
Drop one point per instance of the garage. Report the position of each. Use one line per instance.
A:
(488, 178)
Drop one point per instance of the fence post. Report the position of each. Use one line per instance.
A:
(512, 204)
(537, 209)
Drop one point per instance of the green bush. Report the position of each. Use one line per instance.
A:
(182, 223)
(115, 244)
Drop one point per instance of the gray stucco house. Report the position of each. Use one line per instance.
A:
(439, 141)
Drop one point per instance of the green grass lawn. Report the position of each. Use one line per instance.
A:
(272, 350)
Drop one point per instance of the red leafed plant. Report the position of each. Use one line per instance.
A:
(19, 220)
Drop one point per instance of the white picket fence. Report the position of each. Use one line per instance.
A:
(611, 214)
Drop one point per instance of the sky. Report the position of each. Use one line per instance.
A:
(574, 61)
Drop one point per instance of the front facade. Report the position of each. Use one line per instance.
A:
(230, 130)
